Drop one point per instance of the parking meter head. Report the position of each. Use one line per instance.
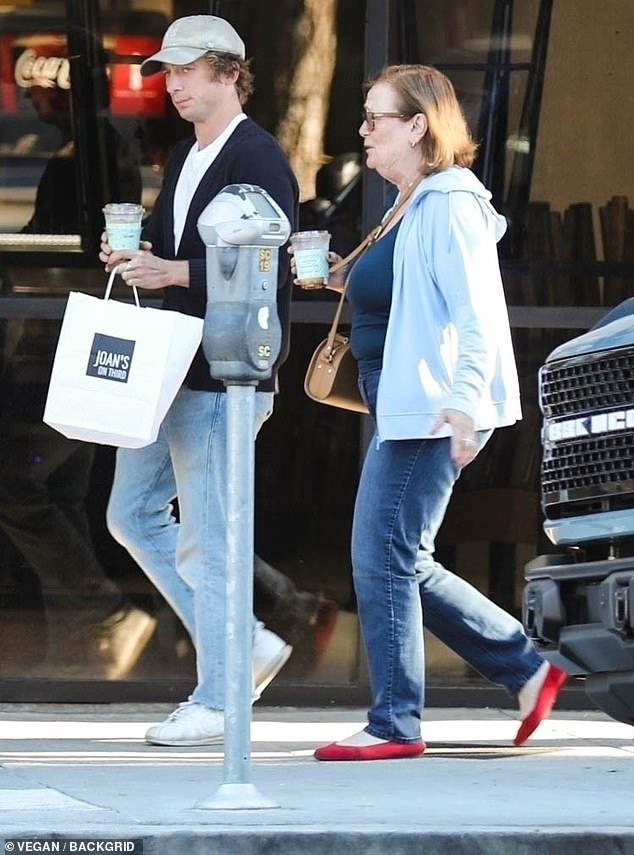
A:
(243, 215)
(242, 228)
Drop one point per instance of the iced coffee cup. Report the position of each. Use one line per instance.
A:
(311, 262)
(123, 224)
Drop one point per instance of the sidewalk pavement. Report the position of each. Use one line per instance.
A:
(79, 778)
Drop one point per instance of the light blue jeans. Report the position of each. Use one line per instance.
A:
(403, 494)
(184, 558)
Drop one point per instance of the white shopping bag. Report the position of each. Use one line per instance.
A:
(117, 369)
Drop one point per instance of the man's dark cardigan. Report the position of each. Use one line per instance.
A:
(250, 156)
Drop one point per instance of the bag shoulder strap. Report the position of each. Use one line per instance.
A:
(367, 241)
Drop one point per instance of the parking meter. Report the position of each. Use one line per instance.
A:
(242, 228)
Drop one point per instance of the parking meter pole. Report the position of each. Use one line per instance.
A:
(239, 616)
(242, 228)
(237, 792)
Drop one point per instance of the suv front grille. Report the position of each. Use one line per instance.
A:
(588, 468)
(588, 384)
(588, 474)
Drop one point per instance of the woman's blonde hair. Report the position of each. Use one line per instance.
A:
(424, 89)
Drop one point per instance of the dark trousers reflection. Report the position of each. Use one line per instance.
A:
(93, 630)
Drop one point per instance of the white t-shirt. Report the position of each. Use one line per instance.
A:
(196, 164)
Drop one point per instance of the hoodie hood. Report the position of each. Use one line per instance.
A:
(461, 179)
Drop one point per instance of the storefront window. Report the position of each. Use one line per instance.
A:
(546, 90)
(67, 90)
(80, 127)
(545, 86)
(543, 91)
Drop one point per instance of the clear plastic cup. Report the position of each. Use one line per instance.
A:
(311, 263)
(123, 224)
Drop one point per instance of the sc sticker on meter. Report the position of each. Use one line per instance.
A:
(265, 260)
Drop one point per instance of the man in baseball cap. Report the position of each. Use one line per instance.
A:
(209, 80)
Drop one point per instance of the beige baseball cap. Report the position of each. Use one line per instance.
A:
(187, 39)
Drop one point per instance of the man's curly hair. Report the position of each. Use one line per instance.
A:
(227, 64)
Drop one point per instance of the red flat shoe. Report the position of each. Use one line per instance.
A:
(379, 751)
(554, 680)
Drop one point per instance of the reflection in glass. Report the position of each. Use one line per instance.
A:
(40, 87)
(57, 204)
(92, 628)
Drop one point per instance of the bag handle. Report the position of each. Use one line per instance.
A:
(367, 241)
(113, 273)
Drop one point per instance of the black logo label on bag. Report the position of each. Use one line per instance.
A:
(110, 357)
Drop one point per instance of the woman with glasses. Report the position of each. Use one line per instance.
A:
(431, 335)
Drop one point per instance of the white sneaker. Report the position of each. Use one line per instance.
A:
(189, 724)
(270, 654)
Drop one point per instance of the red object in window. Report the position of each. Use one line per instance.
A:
(40, 59)
(8, 95)
(131, 94)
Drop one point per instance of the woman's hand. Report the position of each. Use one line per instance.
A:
(335, 281)
(464, 447)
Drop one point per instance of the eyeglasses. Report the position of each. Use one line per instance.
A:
(370, 118)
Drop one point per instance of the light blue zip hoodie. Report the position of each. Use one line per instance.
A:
(448, 341)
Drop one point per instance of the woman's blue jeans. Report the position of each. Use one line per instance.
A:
(403, 494)
(185, 557)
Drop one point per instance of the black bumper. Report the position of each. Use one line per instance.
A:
(581, 617)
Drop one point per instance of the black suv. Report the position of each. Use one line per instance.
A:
(578, 606)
